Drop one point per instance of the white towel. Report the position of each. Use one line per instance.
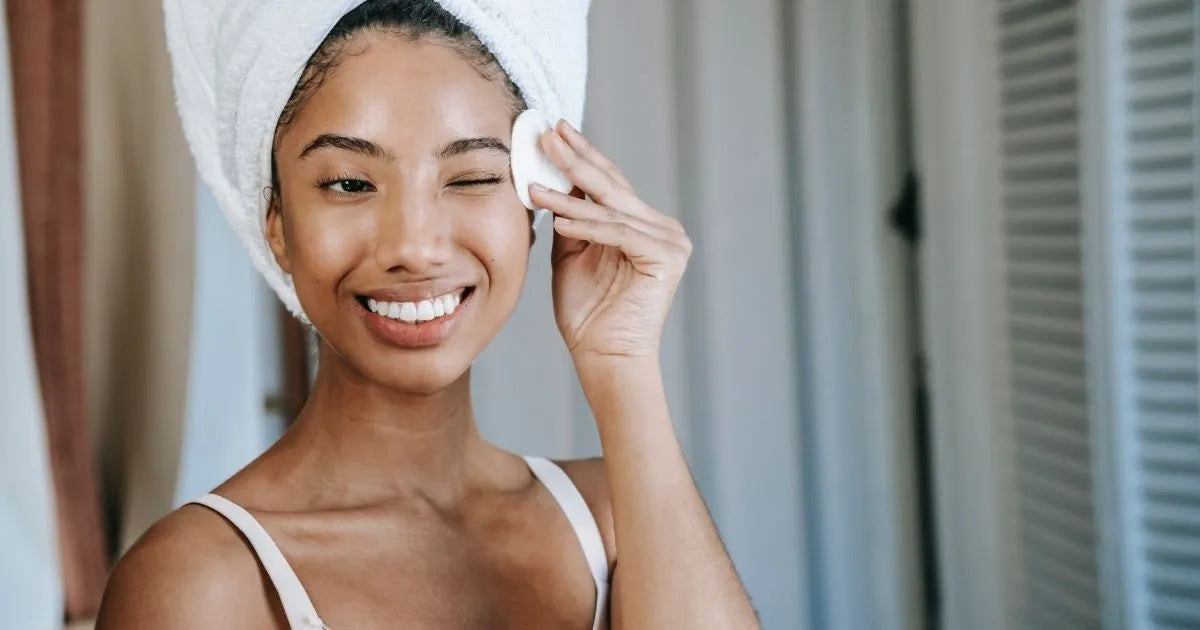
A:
(235, 63)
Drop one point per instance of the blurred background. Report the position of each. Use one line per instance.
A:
(936, 361)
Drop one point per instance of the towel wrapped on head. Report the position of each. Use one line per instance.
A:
(236, 62)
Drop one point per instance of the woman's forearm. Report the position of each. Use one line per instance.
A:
(672, 569)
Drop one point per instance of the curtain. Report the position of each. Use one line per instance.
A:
(138, 253)
(31, 592)
(45, 40)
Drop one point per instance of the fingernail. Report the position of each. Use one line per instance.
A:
(539, 187)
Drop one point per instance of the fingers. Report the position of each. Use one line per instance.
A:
(589, 177)
(582, 209)
(597, 176)
(614, 216)
(582, 146)
(651, 256)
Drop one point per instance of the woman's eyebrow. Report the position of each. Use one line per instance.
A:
(347, 143)
(373, 150)
(465, 145)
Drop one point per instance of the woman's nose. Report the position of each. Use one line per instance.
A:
(411, 236)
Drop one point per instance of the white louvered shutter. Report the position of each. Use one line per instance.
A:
(1054, 573)
(1087, 123)
(1056, 472)
(1161, 112)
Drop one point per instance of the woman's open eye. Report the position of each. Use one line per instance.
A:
(347, 185)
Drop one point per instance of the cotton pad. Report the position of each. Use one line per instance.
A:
(529, 164)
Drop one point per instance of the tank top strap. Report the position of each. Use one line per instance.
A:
(580, 516)
(298, 607)
(296, 604)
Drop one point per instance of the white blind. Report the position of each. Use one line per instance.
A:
(1161, 114)
(1051, 466)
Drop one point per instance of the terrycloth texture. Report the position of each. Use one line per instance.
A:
(235, 63)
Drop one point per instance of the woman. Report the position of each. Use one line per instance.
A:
(393, 212)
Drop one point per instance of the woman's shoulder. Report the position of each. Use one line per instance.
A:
(591, 480)
(191, 569)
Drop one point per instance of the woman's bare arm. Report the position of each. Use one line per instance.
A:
(617, 263)
(672, 571)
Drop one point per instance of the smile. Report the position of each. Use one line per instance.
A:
(414, 312)
(415, 323)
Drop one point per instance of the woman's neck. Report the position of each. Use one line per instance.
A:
(363, 443)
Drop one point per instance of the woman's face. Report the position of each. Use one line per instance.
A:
(396, 198)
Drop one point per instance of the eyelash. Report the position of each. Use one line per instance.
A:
(345, 179)
(476, 182)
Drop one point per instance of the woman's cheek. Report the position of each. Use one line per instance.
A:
(500, 238)
(504, 234)
(329, 239)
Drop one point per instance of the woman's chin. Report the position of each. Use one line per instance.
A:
(421, 379)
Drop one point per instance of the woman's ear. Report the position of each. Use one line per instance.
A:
(274, 232)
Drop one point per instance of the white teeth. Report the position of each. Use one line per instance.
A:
(413, 312)
(424, 310)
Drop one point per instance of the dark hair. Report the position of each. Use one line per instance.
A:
(411, 19)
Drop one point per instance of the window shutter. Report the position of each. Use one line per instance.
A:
(1095, 430)
(1160, 112)
(1053, 516)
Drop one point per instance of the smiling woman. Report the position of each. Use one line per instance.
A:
(397, 232)
(382, 196)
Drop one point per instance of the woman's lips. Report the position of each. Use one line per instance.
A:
(420, 334)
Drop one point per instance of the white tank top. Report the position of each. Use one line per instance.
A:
(298, 608)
